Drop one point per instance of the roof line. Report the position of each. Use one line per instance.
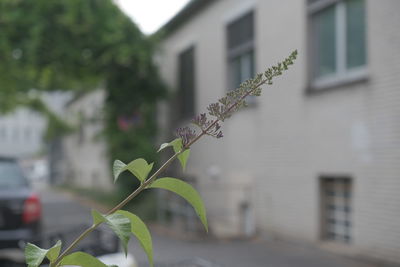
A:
(188, 11)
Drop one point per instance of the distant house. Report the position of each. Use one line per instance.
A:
(317, 157)
(22, 131)
(22, 136)
(83, 154)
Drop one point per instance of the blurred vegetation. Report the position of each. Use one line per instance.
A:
(144, 209)
(81, 45)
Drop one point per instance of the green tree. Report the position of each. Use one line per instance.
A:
(81, 45)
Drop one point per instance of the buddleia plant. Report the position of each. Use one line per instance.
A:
(124, 223)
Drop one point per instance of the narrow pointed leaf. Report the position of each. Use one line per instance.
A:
(176, 144)
(34, 255)
(118, 168)
(184, 156)
(98, 217)
(54, 251)
(173, 143)
(139, 229)
(81, 259)
(186, 191)
(140, 168)
(118, 223)
(163, 146)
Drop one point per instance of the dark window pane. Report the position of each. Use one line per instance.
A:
(247, 66)
(240, 52)
(234, 71)
(240, 31)
(186, 84)
(325, 41)
(355, 16)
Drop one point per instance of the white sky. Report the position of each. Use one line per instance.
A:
(150, 15)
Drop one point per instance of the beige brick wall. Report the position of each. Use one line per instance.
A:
(273, 153)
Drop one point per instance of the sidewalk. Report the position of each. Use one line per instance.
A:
(169, 250)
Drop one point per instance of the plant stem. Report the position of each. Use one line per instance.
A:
(117, 207)
(74, 243)
(151, 179)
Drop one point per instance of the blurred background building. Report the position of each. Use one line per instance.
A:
(22, 132)
(22, 135)
(316, 158)
(83, 160)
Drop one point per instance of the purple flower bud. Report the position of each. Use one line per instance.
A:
(186, 134)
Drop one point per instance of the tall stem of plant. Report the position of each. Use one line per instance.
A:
(150, 179)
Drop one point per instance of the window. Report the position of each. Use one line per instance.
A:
(240, 50)
(336, 208)
(338, 45)
(186, 84)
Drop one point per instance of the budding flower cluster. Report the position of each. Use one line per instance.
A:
(204, 124)
(277, 70)
(186, 134)
(232, 102)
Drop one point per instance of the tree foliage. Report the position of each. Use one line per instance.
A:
(81, 45)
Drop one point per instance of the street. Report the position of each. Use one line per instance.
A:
(63, 212)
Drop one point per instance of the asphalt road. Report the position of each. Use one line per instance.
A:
(62, 213)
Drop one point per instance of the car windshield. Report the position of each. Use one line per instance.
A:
(11, 175)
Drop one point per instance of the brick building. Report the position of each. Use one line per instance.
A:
(317, 157)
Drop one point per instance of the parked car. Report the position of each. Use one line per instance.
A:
(20, 208)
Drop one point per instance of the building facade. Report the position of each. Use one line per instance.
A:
(22, 131)
(317, 156)
(83, 153)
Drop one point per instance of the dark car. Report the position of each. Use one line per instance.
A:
(20, 207)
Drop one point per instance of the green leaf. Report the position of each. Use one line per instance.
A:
(139, 229)
(140, 168)
(163, 146)
(54, 251)
(81, 259)
(177, 146)
(184, 156)
(34, 255)
(175, 142)
(118, 223)
(118, 168)
(186, 191)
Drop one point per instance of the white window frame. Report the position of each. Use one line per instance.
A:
(342, 75)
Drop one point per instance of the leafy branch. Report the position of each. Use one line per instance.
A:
(123, 223)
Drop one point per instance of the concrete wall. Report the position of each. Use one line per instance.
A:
(274, 152)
